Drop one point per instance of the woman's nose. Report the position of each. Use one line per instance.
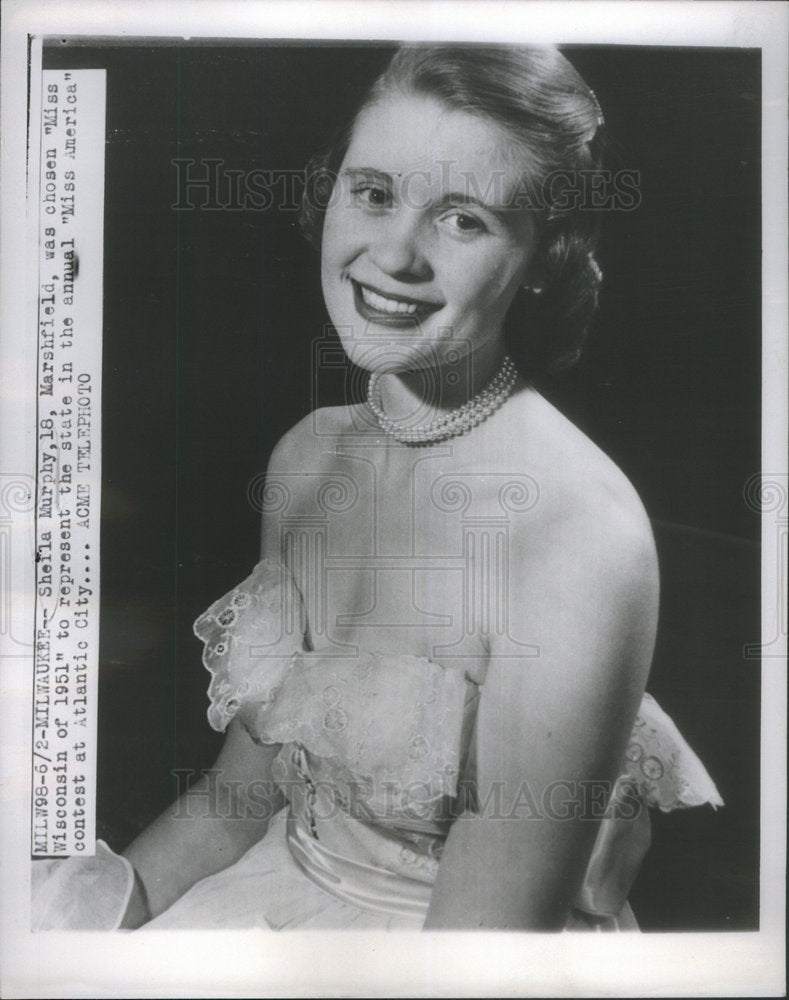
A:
(401, 248)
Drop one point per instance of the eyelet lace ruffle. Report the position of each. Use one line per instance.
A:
(394, 722)
(395, 719)
(658, 760)
(250, 635)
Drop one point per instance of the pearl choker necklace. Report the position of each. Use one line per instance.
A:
(451, 424)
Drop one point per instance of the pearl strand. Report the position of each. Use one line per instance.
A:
(451, 424)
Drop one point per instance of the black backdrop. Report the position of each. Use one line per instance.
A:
(209, 321)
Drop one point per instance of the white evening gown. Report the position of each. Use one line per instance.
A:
(374, 752)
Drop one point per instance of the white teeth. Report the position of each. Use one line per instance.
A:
(378, 302)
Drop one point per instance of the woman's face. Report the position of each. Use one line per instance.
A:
(422, 256)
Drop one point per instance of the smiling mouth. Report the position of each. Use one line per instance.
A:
(391, 310)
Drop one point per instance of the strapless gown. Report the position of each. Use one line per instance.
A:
(377, 762)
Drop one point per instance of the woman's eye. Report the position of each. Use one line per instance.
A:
(465, 224)
(372, 196)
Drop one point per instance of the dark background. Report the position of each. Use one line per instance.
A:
(209, 319)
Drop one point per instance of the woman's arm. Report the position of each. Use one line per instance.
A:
(207, 829)
(587, 593)
(227, 810)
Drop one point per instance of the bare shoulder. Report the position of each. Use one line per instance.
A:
(310, 444)
(588, 513)
(302, 460)
(583, 580)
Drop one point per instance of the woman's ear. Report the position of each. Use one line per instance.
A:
(536, 276)
(534, 282)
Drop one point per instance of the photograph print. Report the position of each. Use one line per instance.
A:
(430, 499)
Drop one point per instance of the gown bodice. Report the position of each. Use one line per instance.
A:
(376, 756)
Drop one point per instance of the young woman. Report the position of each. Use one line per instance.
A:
(433, 682)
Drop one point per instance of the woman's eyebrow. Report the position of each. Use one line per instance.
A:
(464, 198)
(457, 199)
(449, 199)
(454, 197)
(368, 172)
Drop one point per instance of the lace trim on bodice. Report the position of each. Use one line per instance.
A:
(395, 719)
(391, 721)
(664, 769)
(250, 635)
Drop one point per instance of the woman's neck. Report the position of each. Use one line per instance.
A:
(424, 395)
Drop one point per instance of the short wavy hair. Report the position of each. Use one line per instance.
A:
(550, 113)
